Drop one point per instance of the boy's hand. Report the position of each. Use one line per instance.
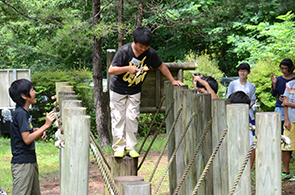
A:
(285, 100)
(287, 125)
(44, 136)
(273, 78)
(178, 83)
(49, 119)
(133, 69)
(198, 78)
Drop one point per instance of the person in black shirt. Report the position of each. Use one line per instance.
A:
(24, 165)
(128, 71)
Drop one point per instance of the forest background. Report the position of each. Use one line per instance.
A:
(66, 40)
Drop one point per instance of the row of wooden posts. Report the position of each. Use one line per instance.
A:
(232, 152)
(74, 157)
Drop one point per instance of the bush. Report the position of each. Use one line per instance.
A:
(260, 77)
(44, 84)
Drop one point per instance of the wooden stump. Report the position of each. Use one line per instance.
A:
(125, 166)
(131, 185)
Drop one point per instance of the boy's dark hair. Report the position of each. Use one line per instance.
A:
(198, 74)
(211, 81)
(142, 35)
(239, 97)
(244, 66)
(288, 62)
(18, 88)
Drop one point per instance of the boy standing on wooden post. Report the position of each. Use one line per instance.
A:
(24, 165)
(128, 71)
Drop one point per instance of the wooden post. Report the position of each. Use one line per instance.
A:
(125, 166)
(177, 94)
(124, 169)
(168, 87)
(110, 55)
(71, 103)
(202, 107)
(220, 163)
(268, 153)
(238, 144)
(67, 111)
(65, 95)
(130, 185)
(77, 135)
(61, 96)
(63, 88)
(58, 85)
(188, 102)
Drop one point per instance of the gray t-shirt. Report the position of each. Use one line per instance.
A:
(249, 89)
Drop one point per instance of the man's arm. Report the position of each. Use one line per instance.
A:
(116, 70)
(163, 68)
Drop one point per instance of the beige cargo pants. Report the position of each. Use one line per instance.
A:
(124, 120)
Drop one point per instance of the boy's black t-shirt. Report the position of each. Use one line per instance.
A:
(21, 152)
(126, 83)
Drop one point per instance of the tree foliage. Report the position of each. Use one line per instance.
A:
(266, 47)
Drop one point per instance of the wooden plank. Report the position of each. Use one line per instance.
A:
(183, 65)
(77, 135)
(220, 163)
(268, 153)
(238, 144)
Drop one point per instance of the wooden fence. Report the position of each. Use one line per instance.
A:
(232, 152)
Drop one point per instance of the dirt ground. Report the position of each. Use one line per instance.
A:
(50, 183)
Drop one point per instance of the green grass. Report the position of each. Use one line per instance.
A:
(47, 158)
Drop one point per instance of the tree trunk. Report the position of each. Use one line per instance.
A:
(101, 122)
(120, 23)
(140, 13)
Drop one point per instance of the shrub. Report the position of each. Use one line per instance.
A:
(44, 84)
(260, 77)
